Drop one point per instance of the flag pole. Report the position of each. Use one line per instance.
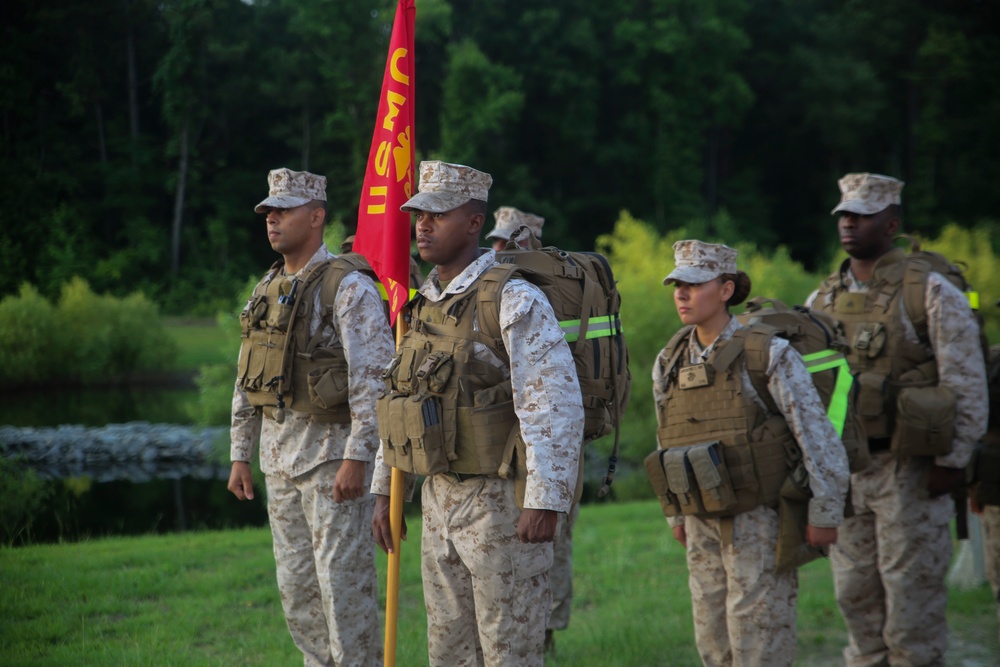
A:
(396, 528)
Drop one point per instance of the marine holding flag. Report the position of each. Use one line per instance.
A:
(489, 514)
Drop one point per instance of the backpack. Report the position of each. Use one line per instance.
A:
(581, 289)
(820, 339)
(918, 264)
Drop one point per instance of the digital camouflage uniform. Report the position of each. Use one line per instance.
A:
(890, 560)
(744, 611)
(508, 220)
(323, 550)
(487, 594)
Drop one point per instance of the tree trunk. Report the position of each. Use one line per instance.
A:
(305, 137)
(182, 169)
(133, 92)
(102, 146)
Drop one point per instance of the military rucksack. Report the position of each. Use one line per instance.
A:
(820, 339)
(918, 264)
(582, 290)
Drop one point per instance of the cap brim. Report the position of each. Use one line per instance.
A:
(857, 206)
(689, 274)
(281, 201)
(499, 234)
(435, 202)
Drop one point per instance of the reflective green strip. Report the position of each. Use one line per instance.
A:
(605, 325)
(825, 360)
(973, 299)
(385, 295)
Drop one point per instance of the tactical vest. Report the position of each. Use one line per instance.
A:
(281, 365)
(719, 453)
(444, 410)
(883, 360)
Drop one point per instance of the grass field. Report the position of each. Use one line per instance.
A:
(199, 342)
(210, 599)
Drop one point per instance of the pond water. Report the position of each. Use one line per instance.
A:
(80, 507)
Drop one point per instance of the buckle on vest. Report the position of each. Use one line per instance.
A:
(461, 476)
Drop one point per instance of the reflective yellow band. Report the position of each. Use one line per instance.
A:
(825, 360)
(605, 325)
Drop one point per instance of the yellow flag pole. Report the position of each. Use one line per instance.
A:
(396, 528)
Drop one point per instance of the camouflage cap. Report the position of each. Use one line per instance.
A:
(698, 262)
(288, 189)
(509, 219)
(445, 186)
(866, 194)
(347, 245)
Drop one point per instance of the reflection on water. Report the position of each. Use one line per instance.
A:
(80, 507)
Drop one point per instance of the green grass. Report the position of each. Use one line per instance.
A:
(210, 599)
(199, 342)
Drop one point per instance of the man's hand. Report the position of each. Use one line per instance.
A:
(381, 530)
(820, 537)
(241, 480)
(975, 506)
(680, 535)
(536, 526)
(350, 481)
(944, 480)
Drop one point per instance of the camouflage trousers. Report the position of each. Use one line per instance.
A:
(326, 569)
(561, 574)
(744, 611)
(487, 595)
(990, 521)
(889, 566)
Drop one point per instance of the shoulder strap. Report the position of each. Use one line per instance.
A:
(914, 289)
(757, 353)
(675, 349)
(489, 290)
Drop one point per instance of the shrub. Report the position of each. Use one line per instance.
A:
(22, 494)
(85, 337)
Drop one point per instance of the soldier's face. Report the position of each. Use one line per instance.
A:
(290, 229)
(448, 239)
(866, 236)
(699, 302)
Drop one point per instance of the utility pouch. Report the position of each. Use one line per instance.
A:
(328, 384)
(422, 415)
(658, 480)
(253, 355)
(873, 403)
(985, 465)
(280, 314)
(681, 480)
(869, 339)
(396, 449)
(925, 421)
(435, 370)
(717, 494)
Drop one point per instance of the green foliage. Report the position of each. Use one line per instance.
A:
(22, 493)
(86, 337)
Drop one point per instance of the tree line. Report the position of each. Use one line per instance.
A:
(137, 134)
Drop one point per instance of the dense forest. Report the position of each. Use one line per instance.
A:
(137, 134)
